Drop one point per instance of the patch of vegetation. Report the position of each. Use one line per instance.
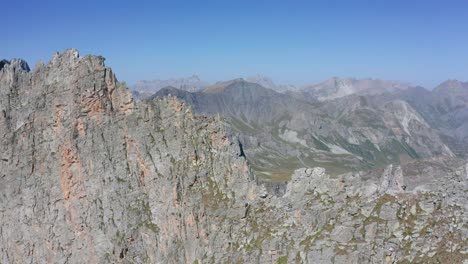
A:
(150, 225)
(152, 139)
(212, 195)
(120, 237)
(409, 150)
(340, 251)
(298, 259)
(386, 198)
(120, 180)
(283, 259)
(254, 245)
(309, 240)
(242, 126)
(143, 210)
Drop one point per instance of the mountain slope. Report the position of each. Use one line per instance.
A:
(445, 109)
(450, 99)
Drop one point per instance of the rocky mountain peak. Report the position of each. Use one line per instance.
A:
(452, 85)
(194, 77)
(3, 63)
(106, 175)
(268, 83)
(221, 86)
(262, 80)
(15, 64)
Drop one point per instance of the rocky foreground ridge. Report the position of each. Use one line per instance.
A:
(87, 175)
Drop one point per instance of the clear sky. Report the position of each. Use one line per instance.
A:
(422, 42)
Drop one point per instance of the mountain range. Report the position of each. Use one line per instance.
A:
(144, 89)
(339, 124)
(234, 173)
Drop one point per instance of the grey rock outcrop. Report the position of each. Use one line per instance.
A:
(87, 175)
(17, 64)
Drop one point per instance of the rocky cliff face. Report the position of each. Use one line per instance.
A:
(87, 175)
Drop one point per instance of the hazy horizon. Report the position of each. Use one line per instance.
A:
(293, 42)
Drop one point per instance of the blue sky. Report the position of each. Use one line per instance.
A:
(299, 42)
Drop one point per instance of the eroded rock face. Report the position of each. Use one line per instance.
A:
(87, 175)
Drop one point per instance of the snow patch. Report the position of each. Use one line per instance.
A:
(291, 136)
(337, 149)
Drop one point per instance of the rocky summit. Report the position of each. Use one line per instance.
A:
(90, 175)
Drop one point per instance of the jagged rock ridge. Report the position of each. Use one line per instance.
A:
(87, 174)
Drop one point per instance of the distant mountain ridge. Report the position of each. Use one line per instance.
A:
(364, 123)
(339, 87)
(330, 89)
(284, 131)
(268, 83)
(144, 89)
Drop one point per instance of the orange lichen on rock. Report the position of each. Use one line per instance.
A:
(135, 154)
(92, 105)
(80, 127)
(144, 171)
(69, 171)
(176, 105)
